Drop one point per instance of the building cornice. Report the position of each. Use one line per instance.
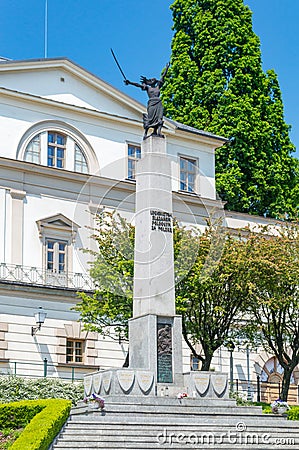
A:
(49, 293)
(126, 186)
(87, 112)
(52, 173)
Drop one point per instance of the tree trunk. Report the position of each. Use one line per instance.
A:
(126, 363)
(286, 384)
(207, 362)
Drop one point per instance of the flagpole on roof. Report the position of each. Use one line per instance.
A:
(46, 28)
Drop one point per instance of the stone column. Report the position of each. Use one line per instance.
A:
(155, 330)
(153, 261)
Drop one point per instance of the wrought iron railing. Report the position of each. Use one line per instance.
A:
(41, 277)
(44, 369)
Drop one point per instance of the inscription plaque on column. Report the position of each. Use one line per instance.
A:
(164, 363)
(161, 221)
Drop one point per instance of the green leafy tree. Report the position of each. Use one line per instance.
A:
(216, 83)
(211, 297)
(274, 295)
(209, 275)
(108, 310)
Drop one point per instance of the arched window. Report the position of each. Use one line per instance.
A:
(272, 371)
(55, 149)
(32, 152)
(80, 160)
(271, 378)
(58, 145)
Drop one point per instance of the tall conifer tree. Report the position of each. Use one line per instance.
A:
(216, 83)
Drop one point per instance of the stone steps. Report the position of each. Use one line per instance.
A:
(165, 423)
(113, 424)
(173, 413)
(171, 407)
(217, 446)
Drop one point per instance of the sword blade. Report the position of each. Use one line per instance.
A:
(118, 65)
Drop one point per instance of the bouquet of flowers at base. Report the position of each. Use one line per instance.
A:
(182, 395)
(95, 398)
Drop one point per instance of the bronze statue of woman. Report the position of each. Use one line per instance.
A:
(154, 117)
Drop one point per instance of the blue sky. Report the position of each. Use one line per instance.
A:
(140, 34)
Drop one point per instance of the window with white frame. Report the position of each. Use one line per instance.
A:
(56, 256)
(188, 170)
(80, 160)
(74, 351)
(58, 150)
(58, 233)
(75, 345)
(32, 152)
(134, 153)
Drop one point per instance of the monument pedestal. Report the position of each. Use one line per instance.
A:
(162, 352)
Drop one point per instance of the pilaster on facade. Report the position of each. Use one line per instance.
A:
(3, 341)
(17, 225)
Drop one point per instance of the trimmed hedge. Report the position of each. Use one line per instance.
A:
(18, 414)
(43, 419)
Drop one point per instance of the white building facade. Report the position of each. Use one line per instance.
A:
(69, 146)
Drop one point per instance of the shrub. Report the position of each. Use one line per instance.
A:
(13, 388)
(265, 407)
(240, 399)
(293, 413)
(43, 419)
(18, 414)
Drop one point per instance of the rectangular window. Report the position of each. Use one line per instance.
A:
(56, 256)
(134, 153)
(188, 171)
(50, 256)
(74, 351)
(56, 150)
(194, 363)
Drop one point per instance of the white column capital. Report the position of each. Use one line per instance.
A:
(17, 195)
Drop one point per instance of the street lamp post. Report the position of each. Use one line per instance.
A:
(231, 347)
(249, 397)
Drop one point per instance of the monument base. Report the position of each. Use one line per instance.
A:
(120, 382)
(142, 383)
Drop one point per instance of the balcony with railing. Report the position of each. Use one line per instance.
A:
(41, 277)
